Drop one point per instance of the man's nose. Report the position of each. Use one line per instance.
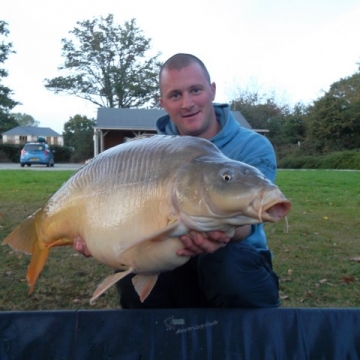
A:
(187, 101)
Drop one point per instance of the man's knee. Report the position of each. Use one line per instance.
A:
(239, 276)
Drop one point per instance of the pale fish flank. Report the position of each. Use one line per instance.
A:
(132, 202)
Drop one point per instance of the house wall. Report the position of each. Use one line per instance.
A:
(112, 138)
(22, 139)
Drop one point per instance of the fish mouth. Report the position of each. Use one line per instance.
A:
(273, 207)
(275, 212)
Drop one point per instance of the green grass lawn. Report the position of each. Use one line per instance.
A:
(316, 257)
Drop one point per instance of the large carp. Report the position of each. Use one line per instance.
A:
(132, 202)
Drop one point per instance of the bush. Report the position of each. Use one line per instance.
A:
(342, 160)
(337, 160)
(10, 152)
(62, 154)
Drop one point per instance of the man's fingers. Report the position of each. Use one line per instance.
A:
(184, 252)
(196, 243)
(190, 245)
(218, 236)
(207, 243)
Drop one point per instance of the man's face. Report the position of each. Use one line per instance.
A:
(187, 96)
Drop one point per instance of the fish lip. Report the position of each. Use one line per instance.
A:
(275, 211)
(271, 205)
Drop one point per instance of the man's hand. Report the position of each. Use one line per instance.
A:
(196, 243)
(79, 245)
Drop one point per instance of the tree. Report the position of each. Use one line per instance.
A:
(334, 119)
(262, 111)
(78, 133)
(107, 65)
(6, 103)
(294, 129)
(258, 109)
(25, 119)
(7, 122)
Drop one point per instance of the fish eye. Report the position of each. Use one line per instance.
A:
(227, 176)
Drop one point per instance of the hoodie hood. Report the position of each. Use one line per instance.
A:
(165, 126)
(229, 126)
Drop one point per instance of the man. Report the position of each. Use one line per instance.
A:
(236, 275)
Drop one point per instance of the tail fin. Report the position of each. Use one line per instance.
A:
(24, 239)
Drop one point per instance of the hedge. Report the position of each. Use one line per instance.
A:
(11, 153)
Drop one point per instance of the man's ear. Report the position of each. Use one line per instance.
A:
(213, 89)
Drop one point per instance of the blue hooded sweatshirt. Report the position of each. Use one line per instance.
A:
(238, 143)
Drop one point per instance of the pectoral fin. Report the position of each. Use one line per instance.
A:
(108, 282)
(143, 284)
(159, 235)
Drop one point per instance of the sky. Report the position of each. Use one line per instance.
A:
(295, 48)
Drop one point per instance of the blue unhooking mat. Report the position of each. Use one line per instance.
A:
(180, 334)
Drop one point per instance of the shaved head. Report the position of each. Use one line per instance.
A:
(180, 61)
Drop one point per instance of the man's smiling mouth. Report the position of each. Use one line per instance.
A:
(191, 115)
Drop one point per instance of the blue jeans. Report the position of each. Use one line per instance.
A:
(236, 276)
